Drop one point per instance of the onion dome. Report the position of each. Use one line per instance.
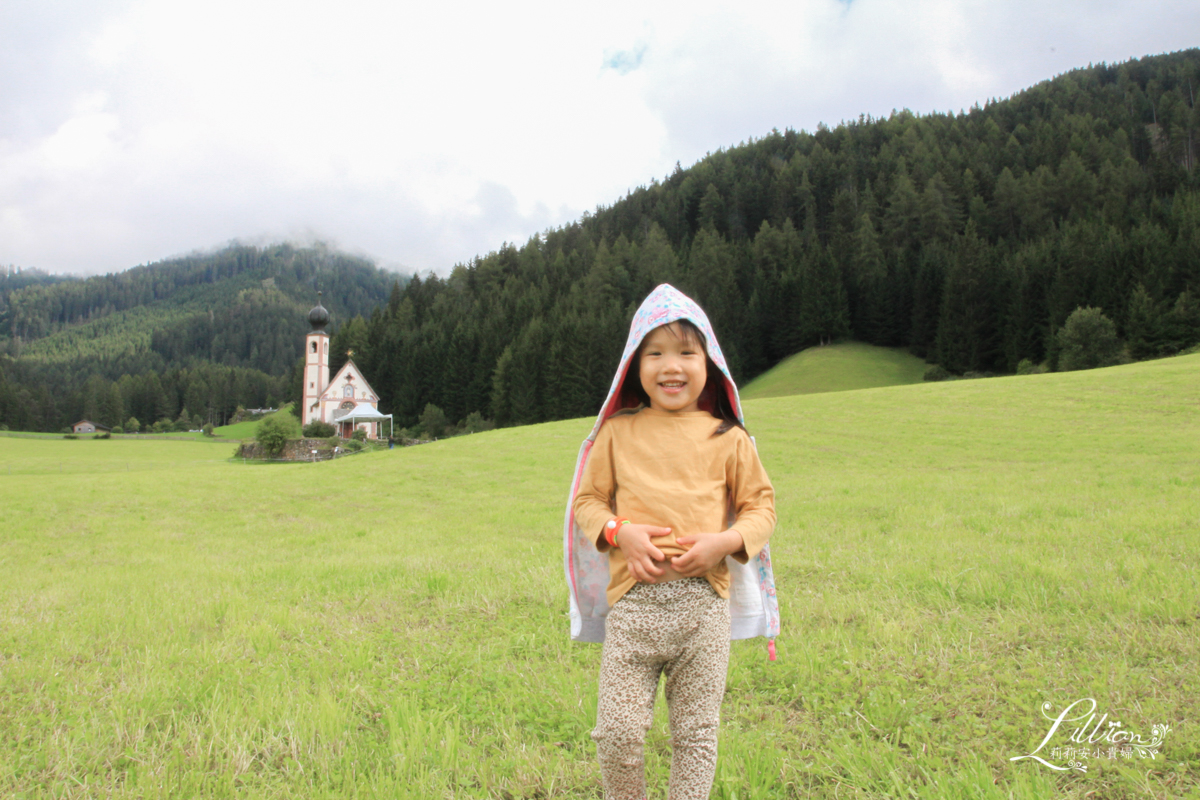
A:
(318, 317)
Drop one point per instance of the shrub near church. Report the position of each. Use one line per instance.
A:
(275, 431)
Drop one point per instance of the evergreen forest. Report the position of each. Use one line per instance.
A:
(968, 238)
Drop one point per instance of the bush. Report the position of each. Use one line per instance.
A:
(475, 423)
(208, 429)
(133, 426)
(1087, 340)
(319, 430)
(162, 426)
(274, 432)
(359, 435)
(103, 435)
(70, 436)
(937, 373)
(433, 421)
(354, 444)
(118, 429)
(1027, 367)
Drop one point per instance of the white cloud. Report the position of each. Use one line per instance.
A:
(426, 133)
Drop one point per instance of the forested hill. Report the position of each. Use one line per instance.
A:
(202, 332)
(968, 238)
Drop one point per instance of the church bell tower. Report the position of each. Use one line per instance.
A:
(316, 363)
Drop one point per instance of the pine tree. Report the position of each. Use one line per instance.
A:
(824, 313)
(656, 261)
(1144, 329)
(711, 265)
(712, 210)
(775, 311)
(968, 336)
(927, 301)
(870, 274)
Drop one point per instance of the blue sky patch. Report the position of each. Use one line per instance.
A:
(624, 61)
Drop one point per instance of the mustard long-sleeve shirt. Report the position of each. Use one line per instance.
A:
(667, 469)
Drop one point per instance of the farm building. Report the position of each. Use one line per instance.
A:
(87, 426)
(347, 402)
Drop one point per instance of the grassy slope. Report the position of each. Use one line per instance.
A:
(949, 557)
(837, 368)
(238, 430)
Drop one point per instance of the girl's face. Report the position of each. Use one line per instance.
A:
(673, 370)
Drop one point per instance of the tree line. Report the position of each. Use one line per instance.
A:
(207, 393)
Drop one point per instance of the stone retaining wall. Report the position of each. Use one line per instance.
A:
(294, 450)
(302, 450)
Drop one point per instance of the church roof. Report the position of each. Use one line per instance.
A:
(351, 367)
(362, 412)
(319, 316)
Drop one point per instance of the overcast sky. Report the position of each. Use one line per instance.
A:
(422, 134)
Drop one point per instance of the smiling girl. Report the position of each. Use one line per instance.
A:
(670, 487)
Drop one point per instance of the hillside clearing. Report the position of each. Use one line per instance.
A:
(837, 368)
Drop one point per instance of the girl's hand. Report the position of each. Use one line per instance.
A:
(708, 550)
(634, 542)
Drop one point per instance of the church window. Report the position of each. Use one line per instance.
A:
(310, 385)
(314, 347)
(347, 404)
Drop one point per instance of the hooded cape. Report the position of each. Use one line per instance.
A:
(753, 607)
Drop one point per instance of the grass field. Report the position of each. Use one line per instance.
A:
(949, 557)
(837, 368)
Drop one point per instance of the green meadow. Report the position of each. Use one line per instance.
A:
(837, 368)
(949, 558)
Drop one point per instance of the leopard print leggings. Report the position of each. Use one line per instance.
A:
(680, 628)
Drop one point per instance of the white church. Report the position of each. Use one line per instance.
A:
(347, 402)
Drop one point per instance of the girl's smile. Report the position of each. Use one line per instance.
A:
(673, 369)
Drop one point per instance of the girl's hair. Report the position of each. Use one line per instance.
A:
(714, 399)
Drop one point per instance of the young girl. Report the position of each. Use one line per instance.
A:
(669, 505)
